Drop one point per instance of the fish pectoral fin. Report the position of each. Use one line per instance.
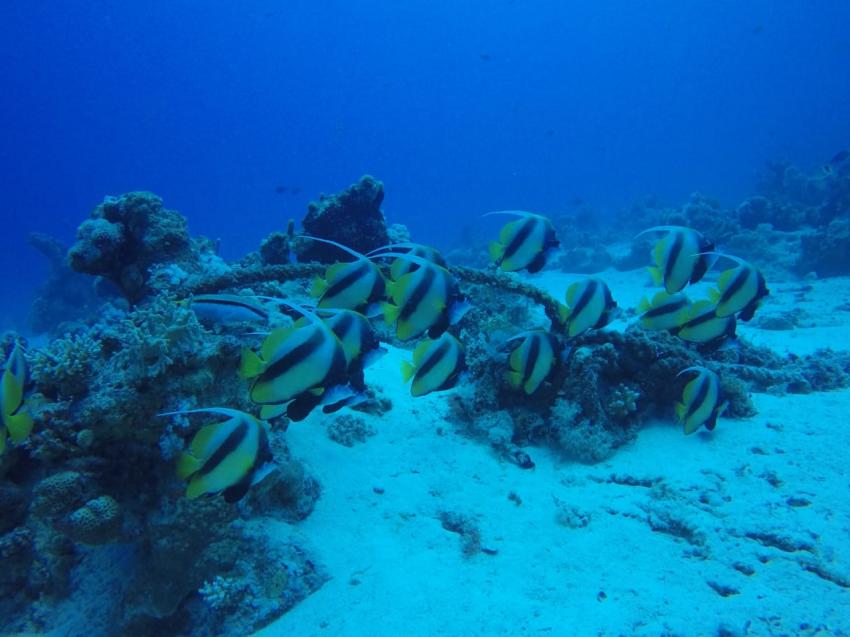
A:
(408, 369)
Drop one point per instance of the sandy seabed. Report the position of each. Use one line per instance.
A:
(741, 531)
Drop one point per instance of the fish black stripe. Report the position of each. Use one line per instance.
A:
(675, 251)
(230, 444)
(419, 292)
(584, 298)
(254, 310)
(434, 359)
(663, 310)
(296, 355)
(699, 399)
(520, 237)
(737, 284)
(533, 356)
(343, 326)
(702, 318)
(348, 280)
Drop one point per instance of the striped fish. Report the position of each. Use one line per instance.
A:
(680, 257)
(525, 243)
(701, 401)
(425, 300)
(663, 312)
(226, 457)
(401, 265)
(533, 360)
(699, 324)
(436, 365)
(359, 340)
(226, 308)
(740, 290)
(589, 306)
(354, 285)
(17, 420)
(294, 361)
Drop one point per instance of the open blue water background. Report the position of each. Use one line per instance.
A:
(459, 107)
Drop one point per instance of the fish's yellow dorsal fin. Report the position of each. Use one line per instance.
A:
(701, 307)
(335, 270)
(421, 350)
(408, 369)
(274, 340)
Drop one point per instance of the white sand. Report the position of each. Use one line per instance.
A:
(768, 496)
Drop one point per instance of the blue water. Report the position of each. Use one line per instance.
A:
(459, 107)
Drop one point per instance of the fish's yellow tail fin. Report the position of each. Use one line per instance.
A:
(514, 379)
(20, 425)
(408, 369)
(319, 287)
(656, 274)
(251, 364)
(390, 312)
(497, 251)
(187, 464)
(197, 487)
(681, 410)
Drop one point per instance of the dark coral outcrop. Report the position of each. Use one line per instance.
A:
(352, 218)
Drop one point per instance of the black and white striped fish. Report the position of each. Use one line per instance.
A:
(589, 306)
(663, 312)
(354, 285)
(701, 400)
(226, 457)
(425, 300)
(533, 360)
(680, 257)
(740, 290)
(524, 244)
(436, 365)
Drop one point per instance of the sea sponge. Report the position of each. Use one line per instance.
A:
(97, 522)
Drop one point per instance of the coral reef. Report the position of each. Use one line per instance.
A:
(348, 430)
(826, 251)
(129, 238)
(352, 218)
